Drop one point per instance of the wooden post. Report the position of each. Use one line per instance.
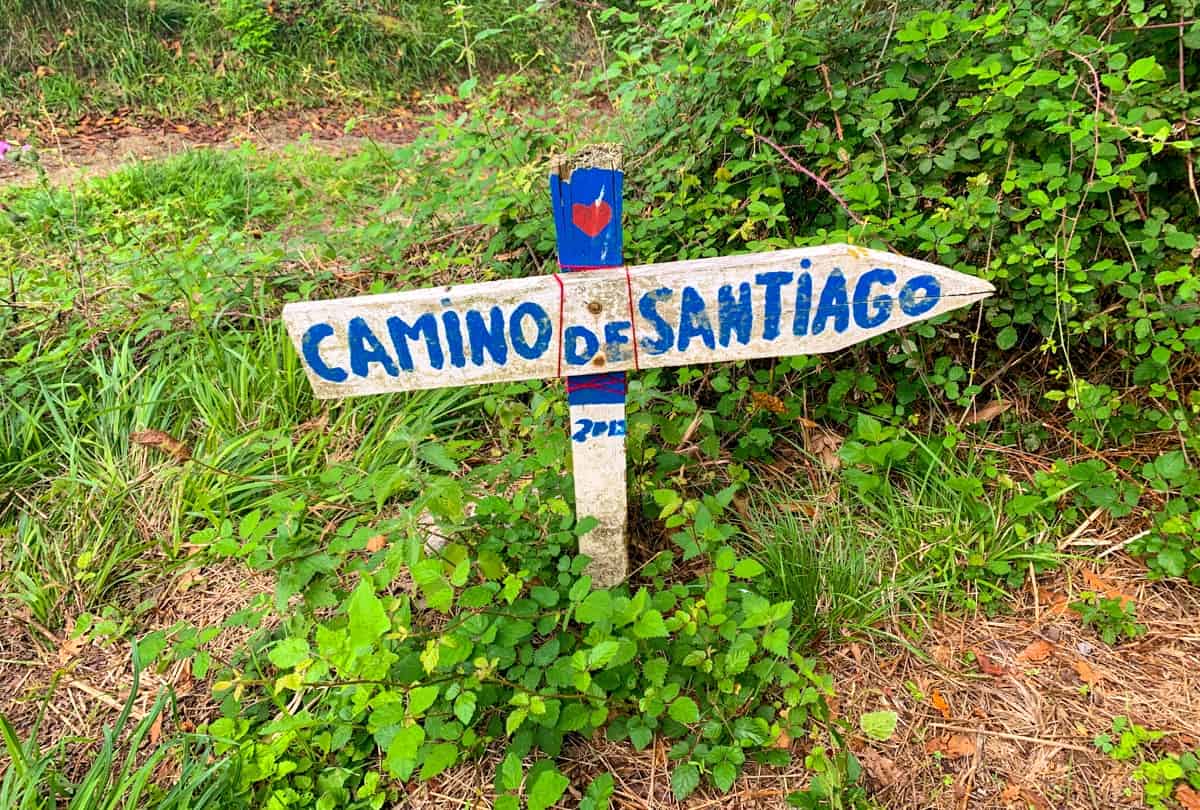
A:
(585, 193)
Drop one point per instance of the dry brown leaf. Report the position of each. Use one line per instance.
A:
(856, 651)
(784, 741)
(156, 729)
(960, 745)
(882, 769)
(1010, 793)
(163, 441)
(940, 703)
(188, 579)
(987, 666)
(989, 411)
(1086, 673)
(1054, 603)
(825, 445)
(69, 648)
(1097, 583)
(952, 747)
(1187, 798)
(315, 425)
(1037, 651)
(768, 402)
(376, 542)
(1034, 800)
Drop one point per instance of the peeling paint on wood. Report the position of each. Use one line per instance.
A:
(791, 302)
(586, 196)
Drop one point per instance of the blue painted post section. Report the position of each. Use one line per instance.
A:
(587, 223)
(585, 194)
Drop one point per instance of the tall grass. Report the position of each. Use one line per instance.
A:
(188, 57)
(181, 334)
(910, 542)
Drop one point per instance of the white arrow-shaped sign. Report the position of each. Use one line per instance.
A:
(788, 302)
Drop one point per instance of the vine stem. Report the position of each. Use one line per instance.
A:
(804, 170)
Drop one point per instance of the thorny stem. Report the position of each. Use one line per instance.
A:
(810, 175)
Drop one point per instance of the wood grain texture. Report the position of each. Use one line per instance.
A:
(586, 197)
(585, 313)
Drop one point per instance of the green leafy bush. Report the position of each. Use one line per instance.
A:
(498, 638)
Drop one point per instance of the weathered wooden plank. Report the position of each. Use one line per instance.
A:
(585, 194)
(805, 301)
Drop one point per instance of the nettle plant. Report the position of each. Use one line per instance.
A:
(400, 662)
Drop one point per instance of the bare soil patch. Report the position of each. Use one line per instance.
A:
(1015, 726)
(98, 146)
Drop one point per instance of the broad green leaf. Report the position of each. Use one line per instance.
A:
(640, 736)
(508, 775)
(748, 569)
(724, 774)
(436, 455)
(1006, 338)
(368, 621)
(437, 759)
(421, 698)
(1173, 561)
(602, 653)
(1145, 68)
(1171, 465)
(598, 793)
(776, 641)
(868, 428)
(684, 780)
(1180, 240)
(684, 710)
(879, 725)
(515, 718)
(650, 625)
(464, 707)
(546, 789)
(597, 607)
(289, 652)
(402, 751)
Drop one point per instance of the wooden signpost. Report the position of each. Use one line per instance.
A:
(600, 318)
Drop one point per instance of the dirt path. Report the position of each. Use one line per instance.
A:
(99, 146)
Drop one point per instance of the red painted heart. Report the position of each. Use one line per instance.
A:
(591, 219)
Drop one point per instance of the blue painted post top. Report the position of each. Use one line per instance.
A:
(585, 194)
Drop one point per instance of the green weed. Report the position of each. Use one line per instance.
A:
(1114, 618)
(33, 780)
(188, 58)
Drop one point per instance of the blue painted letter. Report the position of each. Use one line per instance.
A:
(647, 307)
(771, 309)
(910, 304)
(735, 316)
(833, 304)
(545, 330)
(591, 345)
(454, 340)
(482, 338)
(614, 339)
(311, 344)
(693, 320)
(862, 298)
(401, 333)
(803, 303)
(366, 349)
